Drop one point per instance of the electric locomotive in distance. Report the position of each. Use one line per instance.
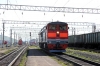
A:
(54, 37)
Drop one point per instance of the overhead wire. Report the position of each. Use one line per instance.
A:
(16, 1)
(66, 3)
(15, 11)
(83, 13)
(54, 4)
(82, 7)
(97, 7)
(63, 6)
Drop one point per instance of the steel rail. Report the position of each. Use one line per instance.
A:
(16, 57)
(74, 60)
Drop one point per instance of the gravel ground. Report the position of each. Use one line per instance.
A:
(5, 49)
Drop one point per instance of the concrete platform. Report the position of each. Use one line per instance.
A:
(38, 58)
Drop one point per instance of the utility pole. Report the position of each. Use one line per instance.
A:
(93, 28)
(7, 4)
(72, 30)
(1, 37)
(30, 35)
(3, 34)
(11, 37)
(74, 36)
(14, 38)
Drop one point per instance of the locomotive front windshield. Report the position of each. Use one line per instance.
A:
(62, 27)
(52, 27)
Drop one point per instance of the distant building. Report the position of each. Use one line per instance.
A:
(32, 42)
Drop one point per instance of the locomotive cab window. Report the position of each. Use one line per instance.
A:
(62, 27)
(52, 27)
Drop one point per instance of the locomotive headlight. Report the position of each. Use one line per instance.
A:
(57, 32)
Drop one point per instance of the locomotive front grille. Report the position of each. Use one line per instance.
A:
(57, 45)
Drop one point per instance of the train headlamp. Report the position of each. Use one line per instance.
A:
(57, 32)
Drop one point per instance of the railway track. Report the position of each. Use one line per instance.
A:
(76, 61)
(73, 60)
(11, 58)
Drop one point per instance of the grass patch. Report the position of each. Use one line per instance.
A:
(23, 60)
(6, 51)
(33, 46)
(84, 50)
(58, 60)
(83, 56)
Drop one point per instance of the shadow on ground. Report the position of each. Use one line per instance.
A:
(35, 52)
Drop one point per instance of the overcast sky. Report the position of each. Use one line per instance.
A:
(32, 15)
(49, 16)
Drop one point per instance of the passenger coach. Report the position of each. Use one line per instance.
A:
(54, 37)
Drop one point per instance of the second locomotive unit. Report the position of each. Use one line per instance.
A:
(54, 37)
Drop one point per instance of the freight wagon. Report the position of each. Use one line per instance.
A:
(89, 40)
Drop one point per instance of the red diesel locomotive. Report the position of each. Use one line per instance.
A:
(54, 37)
(20, 42)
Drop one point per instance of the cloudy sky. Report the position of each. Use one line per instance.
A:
(49, 16)
(32, 15)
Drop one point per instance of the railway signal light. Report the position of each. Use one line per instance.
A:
(30, 33)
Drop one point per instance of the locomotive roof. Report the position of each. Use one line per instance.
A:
(57, 22)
